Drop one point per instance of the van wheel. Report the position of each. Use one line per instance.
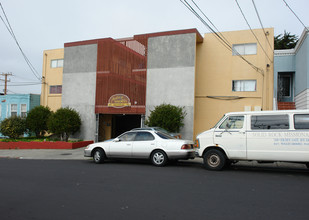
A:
(214, 160)
(307, 165)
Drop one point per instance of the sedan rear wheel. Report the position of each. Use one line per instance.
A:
(158, 158)
(98, 156)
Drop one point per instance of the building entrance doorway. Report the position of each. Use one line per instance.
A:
(285, 87)
(110, 126)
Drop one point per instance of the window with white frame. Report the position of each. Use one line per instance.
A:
(23, 110)
(0, 111)
(56, 63)
(244, 85)
(13, 110)
(244, 49)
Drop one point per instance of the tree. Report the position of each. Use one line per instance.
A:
(285, 41)
(13, 127)
(64, 122)
(167, 116)
(36, 120)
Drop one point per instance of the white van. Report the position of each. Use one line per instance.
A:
(263, 136)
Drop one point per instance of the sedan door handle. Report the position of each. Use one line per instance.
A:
(218, 135)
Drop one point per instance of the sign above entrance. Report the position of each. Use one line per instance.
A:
(119, 101)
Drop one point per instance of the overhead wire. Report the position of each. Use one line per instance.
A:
(217, 31)
(257, 13)
(220, 37)
(295, 15)
(252, 30)
(26, 84)
(9, 28)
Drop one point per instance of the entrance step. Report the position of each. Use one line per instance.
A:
(286, 106)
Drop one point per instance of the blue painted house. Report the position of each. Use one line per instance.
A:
(291, 75)
(17, 105)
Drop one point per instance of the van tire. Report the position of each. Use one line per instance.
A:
(214, 160)
(307, 165)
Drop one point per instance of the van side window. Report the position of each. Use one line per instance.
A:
(233, 122)
(301, 121)
(270, 122)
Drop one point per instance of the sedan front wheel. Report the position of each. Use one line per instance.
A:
(98, 156)
(158, 158)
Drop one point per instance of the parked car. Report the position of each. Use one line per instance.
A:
(264, 136)
(156, 146)
(175, 135)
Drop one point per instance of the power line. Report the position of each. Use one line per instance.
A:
(25, 84)
(257, 13)
(252, 30)
(221, 38)
(9, 28)
(295, 15)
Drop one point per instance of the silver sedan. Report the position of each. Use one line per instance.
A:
(154, 145)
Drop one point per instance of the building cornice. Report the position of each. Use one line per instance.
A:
(287, 52)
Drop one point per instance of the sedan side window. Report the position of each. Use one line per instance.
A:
(144, 136)
(127, 137)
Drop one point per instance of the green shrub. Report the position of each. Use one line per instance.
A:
(64, 122)
(36, 120)
(167, 116)
(13, 127)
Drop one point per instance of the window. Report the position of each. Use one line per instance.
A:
(270, 122)
(164, 135)
(56, 63)
(244, 49)
(13, 110)
(244, 85)
(233, 122)
(55, 89)
(127, 137)
(144, 136)
(301, 121)
(23, 110)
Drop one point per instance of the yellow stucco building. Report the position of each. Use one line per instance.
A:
(52, 78)
(225, 82)
(238, 77)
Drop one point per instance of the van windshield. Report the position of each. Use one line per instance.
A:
(216, 125)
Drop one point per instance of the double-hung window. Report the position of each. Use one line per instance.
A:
(23, 110)
(13, 110)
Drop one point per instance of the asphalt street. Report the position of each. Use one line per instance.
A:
(80, 189)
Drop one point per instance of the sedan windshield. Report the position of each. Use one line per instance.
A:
(164, 135)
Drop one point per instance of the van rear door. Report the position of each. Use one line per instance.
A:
(231, 136)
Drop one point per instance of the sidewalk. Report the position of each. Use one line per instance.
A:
(45, 154)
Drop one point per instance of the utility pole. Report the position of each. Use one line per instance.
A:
(5, 80)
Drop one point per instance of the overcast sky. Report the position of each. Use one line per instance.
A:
(41, 25)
